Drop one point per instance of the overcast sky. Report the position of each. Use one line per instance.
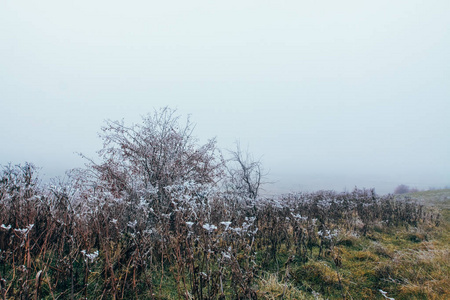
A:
(331, 94)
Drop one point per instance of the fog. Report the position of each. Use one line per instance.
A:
(328, 94)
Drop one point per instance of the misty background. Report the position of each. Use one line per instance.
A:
(329, 94)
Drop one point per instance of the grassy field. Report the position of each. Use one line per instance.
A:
(398, 263)
(437, 198)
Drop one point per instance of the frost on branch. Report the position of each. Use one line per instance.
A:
(3, 226)
(143, 160)
(209, 227)
(90, 257)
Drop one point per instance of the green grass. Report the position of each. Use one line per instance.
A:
(439, 198)
(407, 263)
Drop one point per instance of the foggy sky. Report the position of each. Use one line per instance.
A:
(330, 94)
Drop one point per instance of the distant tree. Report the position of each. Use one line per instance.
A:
(402, 189)
(245, 174)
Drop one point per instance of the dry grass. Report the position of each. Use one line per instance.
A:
(418, 274)
(270, 287)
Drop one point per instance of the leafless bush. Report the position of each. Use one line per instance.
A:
(244, 174)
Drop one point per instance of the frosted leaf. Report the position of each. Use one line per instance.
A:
(143, 203)
(90, 256)
(328, 234)
(3, 226)
(209, 227)
(226, 224)
(189, 224)
(132, 224)
(299, 217)
(250, 220)
(25, 230)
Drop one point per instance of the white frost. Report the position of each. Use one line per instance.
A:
(209, 227)
(384, 295)
(189, 224)
(90, 256)
(25, 230)
(132, 224)
(3, 226)
(226, 224)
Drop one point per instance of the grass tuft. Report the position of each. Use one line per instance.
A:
(270, 287)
